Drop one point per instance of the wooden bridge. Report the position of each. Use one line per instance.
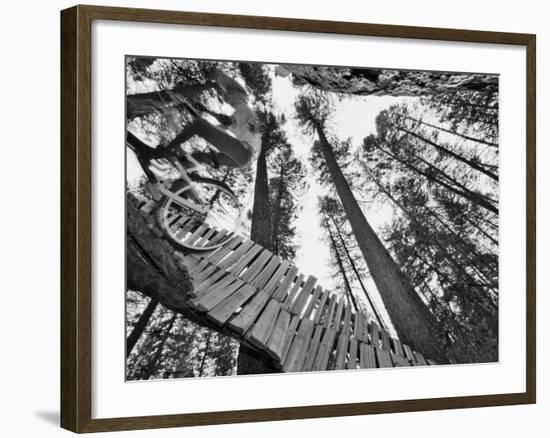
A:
(250, 294)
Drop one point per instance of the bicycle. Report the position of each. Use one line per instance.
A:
(189, 201)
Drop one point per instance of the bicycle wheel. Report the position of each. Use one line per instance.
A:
(201, 216)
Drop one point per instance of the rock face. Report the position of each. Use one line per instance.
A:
(383, 82)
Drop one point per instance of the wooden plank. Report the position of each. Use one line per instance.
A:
(409, 354)
(296, 356)
(203, 286)
(245, 260)
(302, 297)
(205, 238)
(260, 331)
(218, 237)
(256, 267)
(196, 235)
(352, 361)
(290, 335)
(313, 347)
(236, 255)
(325, 348)
(197, 267)
(262, 279)
(420, 359)
(338, 314)
(375, 334)
(294, 291)
(187, 227)
(223, 310)
(399, 361)
(216, 256)
(246, 317)
(330, 311)
(384, 359)
(358, 326)
(363, 330)
(282, 288)
(342, 349)
(343, 341)
(347, 319)
(320, 307)
(204, 274)
(273, 282)
(276, 343)
(172, 217)
(385, 340)
(367, 357)
(216, 294)
(174, 226)
(397, 347)
(312, 302)
(223, 282)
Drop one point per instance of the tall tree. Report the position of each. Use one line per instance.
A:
(442, 239)
(412, 319)
(333, 212)
(409, 155)
(140, 326)
(286, 187)
(336, 252)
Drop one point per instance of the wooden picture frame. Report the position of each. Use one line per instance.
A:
(76, 218)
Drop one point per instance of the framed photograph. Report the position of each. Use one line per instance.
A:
(268, 219)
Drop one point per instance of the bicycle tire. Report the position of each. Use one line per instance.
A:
(181, 224)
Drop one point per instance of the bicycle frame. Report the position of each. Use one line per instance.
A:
(145, 156)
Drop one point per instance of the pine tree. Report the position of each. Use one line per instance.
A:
(412, 319)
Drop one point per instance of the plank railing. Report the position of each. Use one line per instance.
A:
(263, 301)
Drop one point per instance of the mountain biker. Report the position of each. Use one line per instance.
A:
(237, 139)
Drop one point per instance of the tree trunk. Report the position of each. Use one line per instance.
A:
(204, 354)
(277, 213)
(444, 150)
(474, 197)
(140, 326)
(413, 321)
(358, 275)
(450, 131)
(340, 264)
(250, 361)
(260, 231)
(386, 82)
(414, 218)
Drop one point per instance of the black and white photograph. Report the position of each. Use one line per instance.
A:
(285, 218)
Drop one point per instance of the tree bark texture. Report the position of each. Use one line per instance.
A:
(140, 326)
(250, 361)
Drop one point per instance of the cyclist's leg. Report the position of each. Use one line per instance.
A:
(144, 103)
(190, 130)
(232, 152)
(214, 159)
